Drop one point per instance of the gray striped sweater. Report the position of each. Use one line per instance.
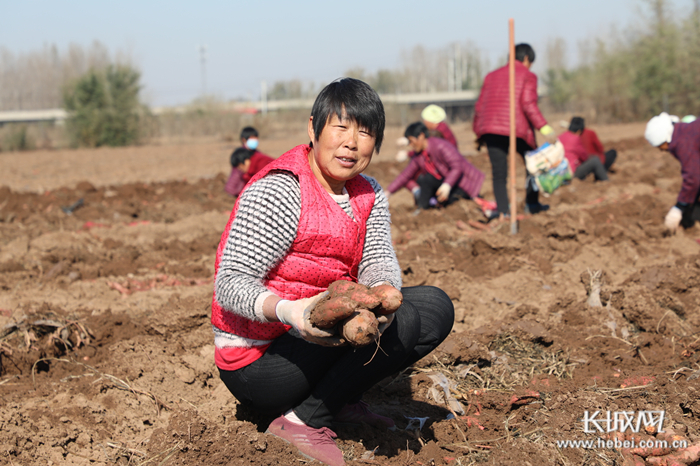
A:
(263, 231)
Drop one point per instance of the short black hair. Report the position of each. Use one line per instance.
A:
(416, 129)
(524, 50)
(352, 99)
(240, 155)
(248, 132)
(577, 124)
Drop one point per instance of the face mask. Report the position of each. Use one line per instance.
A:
(251, 144)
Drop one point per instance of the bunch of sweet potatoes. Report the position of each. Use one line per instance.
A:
(353, 308)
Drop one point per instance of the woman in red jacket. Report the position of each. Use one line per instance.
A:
(304, 221)
(492, 123)
(242, 171)
(443, 173)
(249, 162)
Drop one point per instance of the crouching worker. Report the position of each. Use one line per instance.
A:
(581, 162)
(249, 162)
(246, 161)
(682, 140)
(304, 221)
(447, 175)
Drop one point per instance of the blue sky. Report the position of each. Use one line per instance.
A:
(271, 40)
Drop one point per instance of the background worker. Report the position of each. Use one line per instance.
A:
(492, 123)
(434, 117)
(249, 162)
(592, 144)
(581, 162)
(444, 173)
(304, 221)
(249, 141)
(682, 140)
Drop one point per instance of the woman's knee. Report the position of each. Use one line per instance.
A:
(434, 307)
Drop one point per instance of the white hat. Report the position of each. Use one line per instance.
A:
(433, 114)
(660, 129)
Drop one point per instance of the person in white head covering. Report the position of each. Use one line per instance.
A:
(682, 140)
(434, 117)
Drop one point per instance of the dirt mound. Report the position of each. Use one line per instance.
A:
(106, 349)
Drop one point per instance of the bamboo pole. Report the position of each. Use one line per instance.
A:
(512, 142)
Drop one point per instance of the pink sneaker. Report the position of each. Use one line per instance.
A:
(357, 413)
(315, 444)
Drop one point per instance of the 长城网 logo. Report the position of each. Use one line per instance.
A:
(623, 421)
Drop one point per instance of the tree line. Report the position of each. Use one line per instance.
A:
(629, 75)
(633, 74)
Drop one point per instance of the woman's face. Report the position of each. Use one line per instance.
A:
(342, 152)
(417, 143)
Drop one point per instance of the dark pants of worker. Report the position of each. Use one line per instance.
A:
(428, 188)
(610, 157)
(498, 153)
(592, 165)
(691, 214)
(317, 381)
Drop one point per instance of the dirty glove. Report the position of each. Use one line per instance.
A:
(673, 218)
(443, 192)
(546, 130)
(296, 313)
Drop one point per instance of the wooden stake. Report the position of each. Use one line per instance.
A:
(513, 142)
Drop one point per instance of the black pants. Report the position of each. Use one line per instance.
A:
(428, 188)
(610, 157)
(592, 165)
(691, 214)
(317, 381)
(498, 154)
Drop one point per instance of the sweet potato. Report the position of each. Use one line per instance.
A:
(365, 298)
(329, 312)
(361, 329)
(390, 299)
(343, 287)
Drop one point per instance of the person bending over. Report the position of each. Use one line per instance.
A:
(682, 140)
(434, 117)
(304, 221)
(446, 175)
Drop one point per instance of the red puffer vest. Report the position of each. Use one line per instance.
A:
(328, 247)
(492, 109)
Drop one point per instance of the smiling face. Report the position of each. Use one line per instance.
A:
(342, 152)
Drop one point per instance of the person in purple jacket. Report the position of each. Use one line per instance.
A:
(447, 174)
(682, 140)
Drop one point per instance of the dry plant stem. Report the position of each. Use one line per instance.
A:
(662, 318)
(595, 278)
(610, 336)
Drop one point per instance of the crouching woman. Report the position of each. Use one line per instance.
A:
(307, 219)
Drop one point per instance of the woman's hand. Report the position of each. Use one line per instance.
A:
(296, 313)
(443, 192)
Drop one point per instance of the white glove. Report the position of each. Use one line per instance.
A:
(673, 218)
(296, 313)
(443, 192)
